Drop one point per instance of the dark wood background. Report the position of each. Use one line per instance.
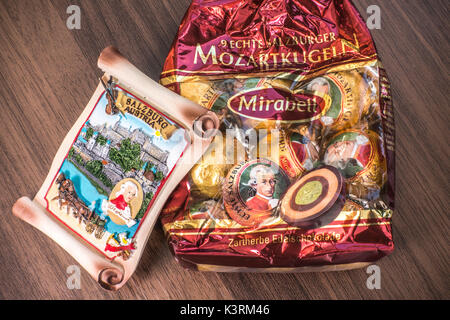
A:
(48, 73)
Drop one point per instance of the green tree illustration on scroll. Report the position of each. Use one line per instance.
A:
(79, 159)
(89, 133)
(159, 176)
(96, 168)
(128, 156)
(101, 140)
(148, 197)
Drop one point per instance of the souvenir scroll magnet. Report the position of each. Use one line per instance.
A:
(115, 169)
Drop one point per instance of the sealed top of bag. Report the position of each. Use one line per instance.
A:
(218, 38)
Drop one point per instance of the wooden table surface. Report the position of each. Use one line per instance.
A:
(48, 73)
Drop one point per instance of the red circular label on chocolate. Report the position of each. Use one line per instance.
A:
(252, 191)
(350, 151)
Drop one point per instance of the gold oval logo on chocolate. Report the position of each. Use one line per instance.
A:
(308, 193)
(252, 191)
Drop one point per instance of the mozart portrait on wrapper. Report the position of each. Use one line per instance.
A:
(262, 181)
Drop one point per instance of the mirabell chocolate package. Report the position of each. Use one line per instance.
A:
(301, 174)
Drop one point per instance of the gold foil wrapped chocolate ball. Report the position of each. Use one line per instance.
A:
(371, 92)
(352, 206)
(357, 154)
(351, 210)
(207, 175)
(207, 179)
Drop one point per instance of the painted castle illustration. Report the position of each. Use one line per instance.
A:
(154, 159)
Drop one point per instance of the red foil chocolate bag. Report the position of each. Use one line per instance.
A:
(301, 177)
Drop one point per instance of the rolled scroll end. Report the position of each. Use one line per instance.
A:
(111, 279)
(108, 57)
(24, 210)
(206, 125)
(109, 276)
